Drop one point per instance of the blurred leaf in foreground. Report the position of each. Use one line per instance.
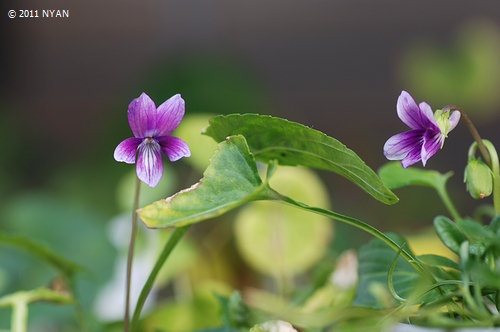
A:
(281, 240)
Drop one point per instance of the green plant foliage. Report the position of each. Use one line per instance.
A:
(230, 180)
(65, 266)
(293, 144)
(375, 259)
(307, 317)
(235, 313)
(184, 256)
(477, 233)
(200, 310)
(395, 176)
(495, 224)
(272, 237)
(35, 295)
(438, 261)
(51, 221)
(19, 302)
(449, 233)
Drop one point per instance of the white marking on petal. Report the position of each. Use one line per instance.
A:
(149, 167)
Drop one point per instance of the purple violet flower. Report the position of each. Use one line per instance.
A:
(152, 127)
(427, 134)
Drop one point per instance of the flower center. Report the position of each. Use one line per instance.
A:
(442, 121)
(150, 144)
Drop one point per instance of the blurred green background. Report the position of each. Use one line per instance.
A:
(336, 66)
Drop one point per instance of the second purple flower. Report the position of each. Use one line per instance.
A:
(427, 134)
(152, 127)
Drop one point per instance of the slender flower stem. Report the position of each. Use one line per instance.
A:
(473, 131)
(169, 246)
(130, 256)
(443, 194)
(356, 223)
(487, 151)
(495, 169)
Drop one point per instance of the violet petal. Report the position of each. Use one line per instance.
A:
(432, 143)
(149, 166)
(427, 116)
(413, 157)
(127, 150)
(174, 147)
(454, 118)
(141, 116)
(400, 145)
(169, 115)
(411, 114)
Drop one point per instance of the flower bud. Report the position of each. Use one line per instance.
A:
(478, 179)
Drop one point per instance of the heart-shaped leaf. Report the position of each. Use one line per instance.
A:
(230, 180)
(292, 144)
(395, 176)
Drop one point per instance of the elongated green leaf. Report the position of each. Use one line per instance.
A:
(441, 261)
(292, 144)
(395, 176)
(230, 180)
(62, 264)
(449, 233)
(375, 259)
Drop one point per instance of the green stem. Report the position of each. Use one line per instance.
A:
(473, 131)
(356, 223)
(126, 316)
(443, 194)
(474, 306)
(495, 169)
(169, 246)
(390, 284)
(19, 316)
(487, 151)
